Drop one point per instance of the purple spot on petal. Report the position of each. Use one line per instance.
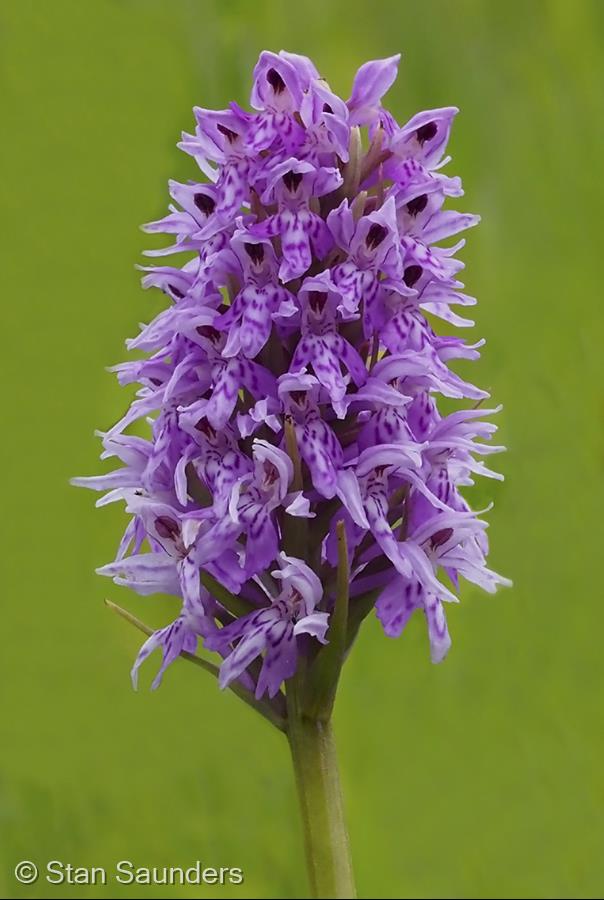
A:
(204, 203)
(441, 537)
(412, 274)
(292, 180)
(375, 236)
(417, 205)
(275, 81)
(426, 132)
(255, 252)
(167, 527)
(231, 136)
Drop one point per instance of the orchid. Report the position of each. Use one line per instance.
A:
(298, 472)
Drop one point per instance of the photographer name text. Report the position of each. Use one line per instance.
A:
(126, 872)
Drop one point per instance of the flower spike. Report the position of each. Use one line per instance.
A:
(297, 471)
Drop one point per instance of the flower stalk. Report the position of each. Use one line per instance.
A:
(315, 764)
(310, 699)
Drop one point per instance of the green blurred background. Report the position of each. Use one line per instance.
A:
(480, 777)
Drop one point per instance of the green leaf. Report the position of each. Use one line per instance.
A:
(324, 673)
(362, 607)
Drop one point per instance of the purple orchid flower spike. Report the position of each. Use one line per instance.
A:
(298, 470)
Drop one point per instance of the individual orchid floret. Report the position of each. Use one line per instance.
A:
(371, 82)
(134, 452)
(301, 231)
(322, 348)
(180, 636)
(248, 320)
(281, 81)
(424, 137)
(254, 500)
(275, 629)
(232, 375)
(327, 128)
(374, 262)
(220, 138)
(317, 443)
(194, 225)
(399, 600)
(171, 540)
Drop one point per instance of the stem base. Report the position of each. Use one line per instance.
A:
(320, 796)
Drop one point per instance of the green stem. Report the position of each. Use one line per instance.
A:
(320, 797)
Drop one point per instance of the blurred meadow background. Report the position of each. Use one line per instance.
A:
(479, 777)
